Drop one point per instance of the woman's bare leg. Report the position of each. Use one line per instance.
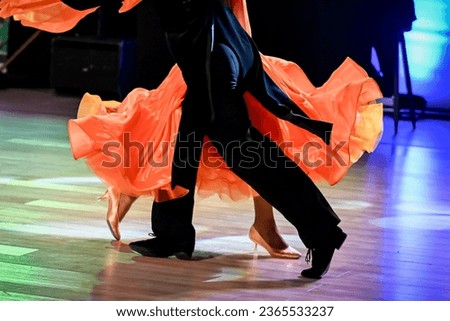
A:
(264, 232)
(265, 224)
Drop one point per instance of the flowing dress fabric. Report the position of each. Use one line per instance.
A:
(130, 144)
(48, 15)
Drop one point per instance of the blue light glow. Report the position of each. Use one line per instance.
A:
(427, 46)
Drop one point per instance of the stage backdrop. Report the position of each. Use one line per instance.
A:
(319, 34)
(428, 46)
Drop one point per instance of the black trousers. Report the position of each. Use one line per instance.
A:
(255, 159)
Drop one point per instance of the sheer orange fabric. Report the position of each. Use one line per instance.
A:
(49, 15)
(54, 16)
(130, 144)
(239, 8)
(128, 5)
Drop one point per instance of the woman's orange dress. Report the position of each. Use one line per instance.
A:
(130, 144)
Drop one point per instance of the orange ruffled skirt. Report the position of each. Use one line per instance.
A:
(130, 145)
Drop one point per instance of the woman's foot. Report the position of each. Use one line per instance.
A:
(277, 247)
(118, 206)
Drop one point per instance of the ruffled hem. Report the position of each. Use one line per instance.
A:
(137, 136)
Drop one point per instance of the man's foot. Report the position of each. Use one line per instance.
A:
(321, 256)
(157, 247)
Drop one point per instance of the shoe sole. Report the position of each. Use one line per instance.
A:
(340, 239)
(304, 273)
(183, 256)
(145, 252)
(117, 237)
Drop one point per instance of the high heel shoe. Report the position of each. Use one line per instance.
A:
(118, 206)
(286, 253)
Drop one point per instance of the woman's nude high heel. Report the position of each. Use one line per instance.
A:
(286, 253)
(118, 206)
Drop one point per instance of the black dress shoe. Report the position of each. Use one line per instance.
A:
(157, 247)
(321, 256)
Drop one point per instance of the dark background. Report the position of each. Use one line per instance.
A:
(316, 34)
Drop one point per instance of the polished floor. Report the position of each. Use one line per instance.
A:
(55, 245)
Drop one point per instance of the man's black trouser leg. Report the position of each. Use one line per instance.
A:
(172, 222)
(260, 162)
(284, 185)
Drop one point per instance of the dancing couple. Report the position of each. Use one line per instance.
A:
(223, 92)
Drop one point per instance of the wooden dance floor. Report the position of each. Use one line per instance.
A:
(55, 245)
